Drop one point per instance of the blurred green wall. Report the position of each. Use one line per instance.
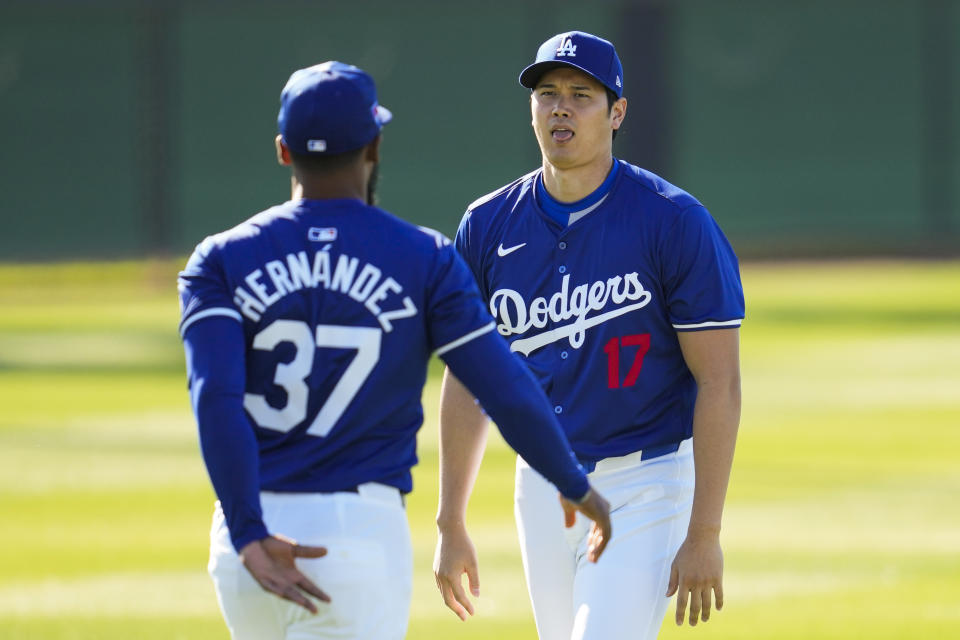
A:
(807, 128)
(821, 125)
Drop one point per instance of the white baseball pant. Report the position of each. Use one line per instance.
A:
(367, 572)
(622, 596)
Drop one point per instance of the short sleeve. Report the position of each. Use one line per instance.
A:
(456, 313)
(466, 245)
(203, 289)
(701, 274)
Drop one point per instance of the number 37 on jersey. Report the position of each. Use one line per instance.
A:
(292, 376)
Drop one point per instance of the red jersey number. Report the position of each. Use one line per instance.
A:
(613, 348)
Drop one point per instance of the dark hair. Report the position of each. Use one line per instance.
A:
(323, 163)
(611, 98)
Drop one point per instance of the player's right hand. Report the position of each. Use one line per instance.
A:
(271, 563)
(456, 556)
(595, 507)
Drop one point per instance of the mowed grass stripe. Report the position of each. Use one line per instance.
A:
(842, 517)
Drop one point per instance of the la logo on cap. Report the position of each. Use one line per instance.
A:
(567, 48)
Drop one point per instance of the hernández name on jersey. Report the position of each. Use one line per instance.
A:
(366, 284)
(516, 317)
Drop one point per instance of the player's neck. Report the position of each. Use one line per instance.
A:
(333, 186)
(575, 183)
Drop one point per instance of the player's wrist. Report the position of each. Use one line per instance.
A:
(703, 531)
(248, 535)
(250, 548)
(582, 499)
(451, 522)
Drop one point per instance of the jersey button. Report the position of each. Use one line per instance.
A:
(563, 355)
(562, 245)
(562, 269)
(558, 409)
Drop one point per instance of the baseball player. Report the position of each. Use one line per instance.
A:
(307, 332)
(623, 297)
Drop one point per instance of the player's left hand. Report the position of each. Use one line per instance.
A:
(454, 557)
(271, 563)
(595, 507)
(696, 572)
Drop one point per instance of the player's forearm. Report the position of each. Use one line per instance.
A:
(714, 360)
(715, 422)
(463, 436)
(215, 370)
(231, 458)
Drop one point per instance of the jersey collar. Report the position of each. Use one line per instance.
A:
(566, 213)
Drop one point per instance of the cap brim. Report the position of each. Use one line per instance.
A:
(530, 76)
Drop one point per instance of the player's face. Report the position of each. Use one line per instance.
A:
(572, 120)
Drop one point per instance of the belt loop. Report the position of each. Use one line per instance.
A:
(655, 452)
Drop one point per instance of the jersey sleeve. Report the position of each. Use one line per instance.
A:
(203, 288)
(701, 275)
(216, 375)
(524, 416)
(467, 246)
(456, 313)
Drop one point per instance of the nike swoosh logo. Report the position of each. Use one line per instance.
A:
(503, 252)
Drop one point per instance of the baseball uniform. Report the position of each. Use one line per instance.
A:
(307, 330)
(592, 295)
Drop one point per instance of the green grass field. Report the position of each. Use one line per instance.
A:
(843, 519)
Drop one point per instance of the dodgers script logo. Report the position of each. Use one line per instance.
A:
(515, 316)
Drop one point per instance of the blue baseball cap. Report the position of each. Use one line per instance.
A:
(330, 108)
(588, 53)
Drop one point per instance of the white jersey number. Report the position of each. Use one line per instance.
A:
(291, 376)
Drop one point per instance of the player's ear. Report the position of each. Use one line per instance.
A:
(283, 152)
(618, 112)
(372, 153)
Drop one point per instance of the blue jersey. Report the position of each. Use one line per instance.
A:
(341, 305)
(593, 307)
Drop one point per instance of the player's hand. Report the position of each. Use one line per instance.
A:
(696, 572)
(456, 556)
(597, 509)
(271, 563)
